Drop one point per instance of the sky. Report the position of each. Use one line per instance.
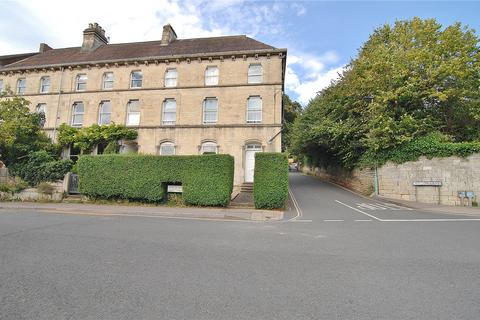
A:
(321, 36)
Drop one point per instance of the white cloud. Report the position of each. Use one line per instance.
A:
(307, 74)
(60, 24)
(308, 89)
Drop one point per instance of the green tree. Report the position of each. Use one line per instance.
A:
(20, 130)
(409, 79)
(291, 110)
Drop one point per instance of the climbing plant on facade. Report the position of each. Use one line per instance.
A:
(87, 138)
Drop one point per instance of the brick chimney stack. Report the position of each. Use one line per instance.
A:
(168, 35)
(93, 37)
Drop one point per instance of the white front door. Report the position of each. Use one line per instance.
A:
(250, 151)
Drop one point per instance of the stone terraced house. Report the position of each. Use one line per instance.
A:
(184, 96)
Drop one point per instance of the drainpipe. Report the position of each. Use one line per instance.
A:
(375, 181)
(58, 104)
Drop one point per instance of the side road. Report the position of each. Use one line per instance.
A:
(147, 211)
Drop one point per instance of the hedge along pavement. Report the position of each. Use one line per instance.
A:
(207, 180)
(270, 187)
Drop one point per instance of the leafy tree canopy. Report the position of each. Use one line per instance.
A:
(291, 110)
(20, 131)
(408, 80)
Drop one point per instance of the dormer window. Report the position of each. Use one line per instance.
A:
(136, 79)
(81, 82)
(45, 84)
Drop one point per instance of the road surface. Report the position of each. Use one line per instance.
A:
(335, 256)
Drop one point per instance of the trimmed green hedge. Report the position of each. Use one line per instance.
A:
(270, 188)
(207, 180)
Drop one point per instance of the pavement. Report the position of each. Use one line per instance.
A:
(335, 255)
(228, 213)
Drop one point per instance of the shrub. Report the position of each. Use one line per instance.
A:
(13, 186)
(39, 167)
(46, 188)
(270, 189)
(431, 145)
(207, 180)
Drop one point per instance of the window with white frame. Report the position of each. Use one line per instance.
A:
(133, 113)
(78, 110)
(41, 110)
(210, 110)
(167, 149)
(255, 73)
(136, 79)
(171, 76)
(254, 110)
(81, 82)
(209, 147)
(44, 84)
(169, 115)
(105, 113)
(107, 82)
(211, 76)
(1, 85)
(21, 85)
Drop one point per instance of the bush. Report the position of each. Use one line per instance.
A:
(39, 167)
(431, 145)
(207, 180)
(13, 186)
(46, 188)
(270, 188)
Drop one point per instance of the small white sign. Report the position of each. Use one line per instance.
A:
(174, 188)
(427, 183)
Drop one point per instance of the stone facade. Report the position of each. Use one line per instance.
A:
(455, 174)
(360, 180)
(231, 132)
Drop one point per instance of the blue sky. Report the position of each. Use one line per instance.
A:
(321, 36)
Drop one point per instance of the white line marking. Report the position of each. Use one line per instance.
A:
(358, 210)
(297, 207)
(299, 220)
(363, 220)
(428, 220)
(333, 220)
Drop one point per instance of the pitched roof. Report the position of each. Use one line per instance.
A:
(5, 60)
(141, 50)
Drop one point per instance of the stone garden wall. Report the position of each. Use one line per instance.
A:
(453, 173)
(360, 180)
(436, 181)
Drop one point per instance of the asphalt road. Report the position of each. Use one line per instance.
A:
(340, 256)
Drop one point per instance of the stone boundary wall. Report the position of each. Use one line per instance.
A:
(359, 180)
(3, 175)
(396, 181)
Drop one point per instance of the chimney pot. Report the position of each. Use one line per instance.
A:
(93, 37)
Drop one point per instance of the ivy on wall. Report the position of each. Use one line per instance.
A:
(431, 145)
(87, 138)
